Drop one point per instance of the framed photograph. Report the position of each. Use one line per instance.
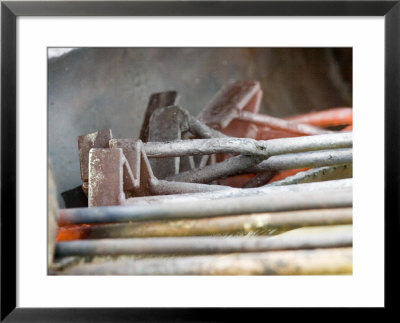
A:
(188, 155)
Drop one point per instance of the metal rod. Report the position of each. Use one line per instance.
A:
(196, 209)
(201, 130)
(192, 163)
(297, 262)
(159, 187)
(207, 174)
(238, 192)
(260, 179)
(242, 164)
(281, 124)
(313, 159)
(261, 223)
(317, 175)
(206, 245)
(245, 146)
(204, 160)
(305, 159)
(210, 146)
(308, 143)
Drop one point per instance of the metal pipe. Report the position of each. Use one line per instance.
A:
(201, 130)
(196, 209)
(207, 174)
(294, 262)
(242, 164)
(266, 169)
(245, 146)
(305, 159)
(167, 187)
(317, 142)
(235, 193)
(281, 124)
(261, 223)
(204, 160)
(210, 146)
(321, 238)
(317, 175)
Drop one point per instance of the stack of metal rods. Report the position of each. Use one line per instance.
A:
(182, 225)
(222, 226)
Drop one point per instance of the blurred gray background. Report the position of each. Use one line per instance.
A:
(96, 88)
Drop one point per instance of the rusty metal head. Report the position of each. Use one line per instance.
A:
(98, 139)
(157, 101)
(232, 98)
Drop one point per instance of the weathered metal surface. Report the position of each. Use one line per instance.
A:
(138, 173)
(141, 181)
(195, 126)
(239, 205)
(238, 164)
(201, 130)
(207, 174)
(261, 223)
(248, 164)
(227, 103)
(91, 88)
(203, 203)
(267, 170)
(293, 262)
(161, 187)
(105, 177)
(305, 159)
(282, 174)
(227, 112)
(245, 146)
(112, 179)
(98, 139)
(166, 125)
(232, 111)
(206, 147)
(238, 128)
(317, 175)
(328, 237)
(157, 101)
(225, 206)
(237, 192)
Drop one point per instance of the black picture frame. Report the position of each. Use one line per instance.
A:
(10, 10)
